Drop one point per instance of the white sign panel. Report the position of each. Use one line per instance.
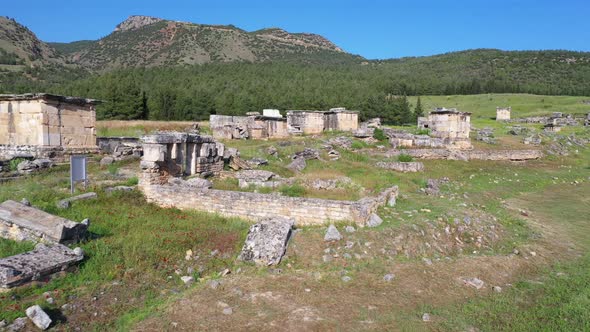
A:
(77, 170)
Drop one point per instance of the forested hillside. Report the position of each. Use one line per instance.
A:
(160, 69)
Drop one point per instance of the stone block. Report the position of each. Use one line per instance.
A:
(25, 223)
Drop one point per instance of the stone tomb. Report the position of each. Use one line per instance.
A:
(38, 264)
(20, 222)
(503, 113)
(177, 154)
(40, 125)
(450, 126)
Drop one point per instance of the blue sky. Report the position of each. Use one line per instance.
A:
(373, 29)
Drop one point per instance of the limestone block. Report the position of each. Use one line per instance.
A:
(267, 240)
(154, 152)
(20, 222)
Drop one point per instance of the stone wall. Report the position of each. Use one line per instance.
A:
(45, 121)
(56, 153)
(511, 155)
(39, 120)
(305, 122)
(255, 206)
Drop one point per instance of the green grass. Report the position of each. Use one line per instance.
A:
(9, 247)
(135, 243)
(561, 301)
(405, 158)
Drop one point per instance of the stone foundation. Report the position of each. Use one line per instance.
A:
(511, 155)
(255, 206)
(402, 166)
(56, 153)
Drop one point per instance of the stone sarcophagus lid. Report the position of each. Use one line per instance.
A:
(20, 222)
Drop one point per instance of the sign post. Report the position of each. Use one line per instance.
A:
(77, 170)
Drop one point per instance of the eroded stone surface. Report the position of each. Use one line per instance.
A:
(412, 166)
(37, 264)
(267, 241)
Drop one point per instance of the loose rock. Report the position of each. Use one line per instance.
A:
(38, 317)
(332, 234)
(374, 220)
(266, 242)
(388, 277)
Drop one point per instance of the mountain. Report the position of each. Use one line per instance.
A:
(20, 46)
(142, 41)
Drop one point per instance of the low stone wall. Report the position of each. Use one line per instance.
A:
(402, 166)
(255, 206)
(56, 153)
(110, 144)
(512, 155)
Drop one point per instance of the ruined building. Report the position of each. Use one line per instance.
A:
(174, 154)
(448, 128)
(503, 113)
(43, 125)
(170, 156)
(271, 124)
(316, 122)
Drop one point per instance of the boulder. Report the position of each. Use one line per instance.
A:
(255, 162)
(272, 151)
(106, 161)
(297, 165)
(307, 154)
(267, 240)
(27, 166)
(38, 317)
(374, 220)
(43, 163)
(199, 183)
(236, 163)
(332, 234)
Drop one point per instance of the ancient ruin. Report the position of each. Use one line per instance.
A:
(267, 241)
(38, 264)
(174, 154)
(316, 122)
(45, 125)
(169, 156)
(449, 125)
(503, 113)
(271, 124)
(20, 222)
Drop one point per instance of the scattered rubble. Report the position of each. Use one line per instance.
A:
(28, 166)
(267, 240)
(297, 165)
(374, 220)
(473, 282)
(258, 178)
(486, 135)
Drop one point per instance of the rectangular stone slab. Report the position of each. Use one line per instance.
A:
(25, 223)
(37, 264)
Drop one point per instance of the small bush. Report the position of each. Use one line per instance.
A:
(423, 132)
(113, 169)
(14, 163)
(358, 144)
(292, 191)
(379, 135)
(132, 181)
(405, 158)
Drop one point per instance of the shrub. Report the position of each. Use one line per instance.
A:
(358, 144)
(379, 135)
(14, 163)
(405, 158)
(133, 181)
(423, 132)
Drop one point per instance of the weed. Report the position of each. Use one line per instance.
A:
(405, 158)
